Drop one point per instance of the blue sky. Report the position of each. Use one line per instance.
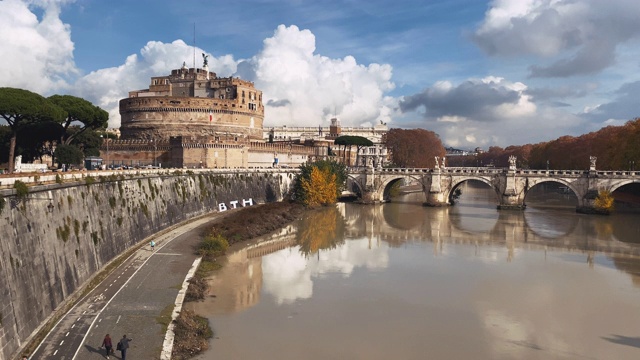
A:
(478, 73)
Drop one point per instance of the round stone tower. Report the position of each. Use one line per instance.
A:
(193, 103)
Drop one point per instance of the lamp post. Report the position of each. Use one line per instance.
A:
(154, 152)
(106, 160)
(547, 165)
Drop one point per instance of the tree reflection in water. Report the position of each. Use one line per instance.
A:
(319, 230)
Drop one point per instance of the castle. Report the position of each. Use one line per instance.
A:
(193, 118)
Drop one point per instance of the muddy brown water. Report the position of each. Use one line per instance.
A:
(403, 281)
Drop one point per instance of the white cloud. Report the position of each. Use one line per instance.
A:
(299, 87)
(578, 36)
(37, 54)
(314, 88)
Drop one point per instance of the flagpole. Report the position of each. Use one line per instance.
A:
(194, 46)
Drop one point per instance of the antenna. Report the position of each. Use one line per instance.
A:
(194, 46)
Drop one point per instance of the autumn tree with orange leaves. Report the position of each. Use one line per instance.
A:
(320, 183)
(413, 148)
(320, 188)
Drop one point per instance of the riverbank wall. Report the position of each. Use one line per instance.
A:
(54, 239)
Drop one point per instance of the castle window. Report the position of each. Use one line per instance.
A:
(243, 93)
(166, 81)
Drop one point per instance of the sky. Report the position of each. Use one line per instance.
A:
(478, 73)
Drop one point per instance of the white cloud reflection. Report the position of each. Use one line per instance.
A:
(288, 274)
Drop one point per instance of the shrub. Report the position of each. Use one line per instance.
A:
(213, 245)
(21, 189)
(604, 202)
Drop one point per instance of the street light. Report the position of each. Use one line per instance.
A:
(547, 165)
(154, 152)
(106, 160)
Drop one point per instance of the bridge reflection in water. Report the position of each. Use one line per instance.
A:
(478, 223)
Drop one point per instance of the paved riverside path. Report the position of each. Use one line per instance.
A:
(128, 301)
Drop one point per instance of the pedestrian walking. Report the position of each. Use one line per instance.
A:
(153, 245)
(108, 346)
(123, 345)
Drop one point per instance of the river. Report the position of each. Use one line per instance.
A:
(404, 281)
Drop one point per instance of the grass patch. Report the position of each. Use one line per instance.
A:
(164, 318)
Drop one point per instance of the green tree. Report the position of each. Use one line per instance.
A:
(20, 107)
(80, 112)
(37, 139)
(89, 141)
(68, 154)
(358, 141)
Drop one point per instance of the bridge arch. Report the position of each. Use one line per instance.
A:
(390, 181)
(455, 184)
(622, 183)
(569, 185)
(354, 186)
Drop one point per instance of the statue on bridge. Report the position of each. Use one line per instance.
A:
(592, 163)
(512, 162)
(437, 162)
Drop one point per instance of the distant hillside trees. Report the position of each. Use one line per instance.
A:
(413, 148)
(616, 147)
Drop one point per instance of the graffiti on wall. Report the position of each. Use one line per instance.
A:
(234, 204)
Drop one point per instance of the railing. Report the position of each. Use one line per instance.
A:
(7, 182)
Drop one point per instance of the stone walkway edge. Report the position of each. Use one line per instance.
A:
(167, 346)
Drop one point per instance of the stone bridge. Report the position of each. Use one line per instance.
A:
(510, 185)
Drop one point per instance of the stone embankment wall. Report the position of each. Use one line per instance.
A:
(48, 254)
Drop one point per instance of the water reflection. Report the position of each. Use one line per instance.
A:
(319, 230)
(402, 280)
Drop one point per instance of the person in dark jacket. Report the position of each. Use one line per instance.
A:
(123, 345)
(107, 345)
